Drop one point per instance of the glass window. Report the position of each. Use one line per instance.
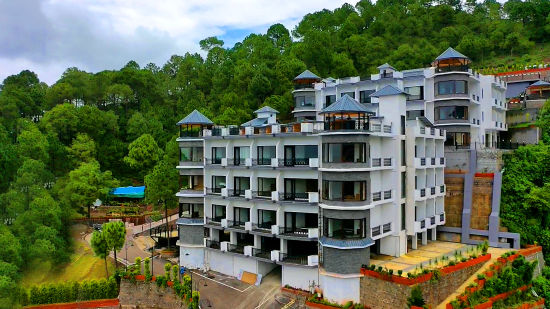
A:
(411, 115)
(415, 93)
(218, 182)
(266, 186)
(344, 190)
(191, 154)
(240, 154)
(265, 154)
(403, 217)
(218, 212)
(451, 112)
(351, 94)
(217, 154)
(451, 87)
(241, 184)
(266, 218)
(192, 210)
(329, 99)
(305, 101)
(364, 96)
(241, 215)
(344, 153)
(344, 228)
(457, 139)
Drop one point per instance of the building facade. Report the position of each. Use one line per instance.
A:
(360, 173)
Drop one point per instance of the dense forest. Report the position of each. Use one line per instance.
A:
(62, 146)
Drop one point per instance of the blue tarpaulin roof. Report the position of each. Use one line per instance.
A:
(131, 192)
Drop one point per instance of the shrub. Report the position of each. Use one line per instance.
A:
(73, 291)
(379, 269)
(167, 268)
(175, 273)
(195, 301)
(484, 247)
(400, 272)
(138, 266)
(416, 298)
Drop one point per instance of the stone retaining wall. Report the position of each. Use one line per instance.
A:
(147, 295)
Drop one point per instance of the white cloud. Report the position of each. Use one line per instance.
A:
(51, 35)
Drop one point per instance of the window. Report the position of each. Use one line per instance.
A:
(351, 94)
(191, 182)
(451, 87)
(241, 215)
(266, 186)
(241, 184)
(403, 184)
(402, 125)
(218, 182)
(217, 154)
(191, 154)
(299, 188)
(266, 218)
(305, 101)
(191, 210)
(451, 112)
(300, 154)
(415, 93)
(344, 190)
(329, 99)
(265, 154)
(364, 96)
(344, 153)
(218, 212)
(457, 139)
(344, 228)
(240, 154)
(403, 154)
(403, 216)
(411, 115)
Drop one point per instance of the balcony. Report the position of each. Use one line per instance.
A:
(304, 197)
(441, 218)
(235, 248)
(442, 189)
(299, 162)
(303, 86)
(214, 221)
(212, 244)
(301, 232)
(239, 225)
(214, 191)
(264, 195)
(432, 191)
(452, 68)
(265, 228)
(378, 231)
(261, 253)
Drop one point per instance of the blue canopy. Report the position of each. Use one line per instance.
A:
(131, 192)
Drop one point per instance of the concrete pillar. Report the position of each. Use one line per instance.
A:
(424, 238)
(257, 241)
(414, 241)
(233, 238)
(434, 234)
(283, 246)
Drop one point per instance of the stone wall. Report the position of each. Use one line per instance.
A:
(377, 293)
(481, 203)
(454, 200)
(147, 296)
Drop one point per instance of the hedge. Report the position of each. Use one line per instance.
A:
(73, 291)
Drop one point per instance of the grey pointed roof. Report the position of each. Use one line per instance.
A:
(266, 109)
(256, 122)
(345, 104)
(195, 118)
(386, 66)
(388, 90)
(307, 74)
(451, 53)
(346, 243)
(540, 83)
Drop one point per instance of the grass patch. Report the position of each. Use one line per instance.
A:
(83, 265)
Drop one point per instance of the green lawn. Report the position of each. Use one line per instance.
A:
(83, 265)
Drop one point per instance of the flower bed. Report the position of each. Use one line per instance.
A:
(295, 291)
(507, 272)
(427, 276)
(100, 303)
(315, 302)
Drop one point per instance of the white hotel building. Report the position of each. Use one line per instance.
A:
(351, 177)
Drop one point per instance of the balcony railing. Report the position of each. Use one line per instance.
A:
(262, 161)
(213, 161)
(212, 244)
(432, 220)
(387, 194)
(441, 161)
(423, 161)
(236, 192)
(294, 161)
(422, 192)
(376, 196)
(351, 125)
(233, 131)
(422, 224)
(214, 221)
(441, 188)
(261, 253)
(303, 86)
(293, 231)
(442, 217)
(294, 259)
(457, 68)
(386, 228)
(293, 196)
(216, 132)
(432, 190)
(215, 191)
(432, 161)
(262, 226)
(235, 224)
(236, 248)
(387, 161)
(375, 231)
(376, 162)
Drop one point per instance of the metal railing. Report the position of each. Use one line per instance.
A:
(432, 190)
(261, 253)
(303, 86)
(422, 130)
(293, 231)
(235, 224)
(214, 221)
(376, 162)
(441, 188)
(422, 192)
(216, 191)
(294, 259)
(422, 161)
(236, 248)
(262, 226)
(457, 68)
(387, 129)
(293, 196)
(433, 161)
(294, 161)
(236, 192)
(387, 161)
(422, 224)
(386, 228)
(442, 217)
(263, 161)
(376, 196)
(212, 244)
(216, 132)
(261, 194)
(441, 160)
(432, 220)
(387, 194)
(375, 231)
(216, 161)
(234, 131)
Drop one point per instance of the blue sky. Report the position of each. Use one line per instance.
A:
(48, 36)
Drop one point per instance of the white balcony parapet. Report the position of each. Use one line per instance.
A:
(276, 128)
(274, 196)
(275, 229)
(247, 250)
(248, 162)
(248, 194)
(275, 255)
(313, 260)
(313, 233)
(248, 131)
(224, 246)
(314, 162)
(206, 132)
(313, 197)
(248, 226)
(225, 131)
(224, 161)
(225, 192)
(224, 223)
(306, 127)
(274, 162)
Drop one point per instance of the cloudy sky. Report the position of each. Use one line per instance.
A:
(47, 36)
